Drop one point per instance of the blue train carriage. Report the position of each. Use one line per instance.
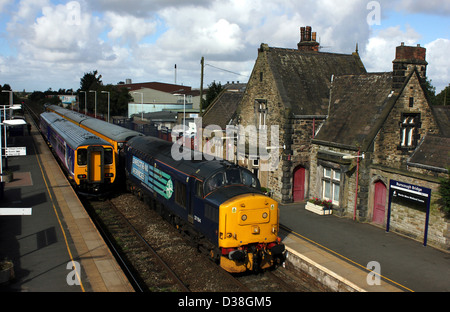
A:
(220, 200)
(88, 160)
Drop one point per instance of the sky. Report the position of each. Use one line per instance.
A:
(53, 43)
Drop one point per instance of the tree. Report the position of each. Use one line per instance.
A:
(90, 81)
(119, 99)
(443, 98)
(213, 91)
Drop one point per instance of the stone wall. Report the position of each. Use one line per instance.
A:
(262, 86)
(387, 145)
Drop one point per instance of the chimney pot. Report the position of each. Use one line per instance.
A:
(308, 33)
(308, 40)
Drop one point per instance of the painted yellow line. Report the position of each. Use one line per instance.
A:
(343, 257)
(59, 220)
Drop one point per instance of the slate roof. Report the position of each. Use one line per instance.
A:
(160, 86)
(359, 104)
(432, 153)
(434, 150)
(442, 116)
(223, 109)
(303, 77)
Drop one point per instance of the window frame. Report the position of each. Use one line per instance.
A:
(409, 130)
(333, 179)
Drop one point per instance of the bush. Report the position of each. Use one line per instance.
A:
(444, 192)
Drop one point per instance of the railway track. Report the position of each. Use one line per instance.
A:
(134, 251)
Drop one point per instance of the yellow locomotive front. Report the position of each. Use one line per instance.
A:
(248, 233)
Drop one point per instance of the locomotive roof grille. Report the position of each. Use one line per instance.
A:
(160, 150)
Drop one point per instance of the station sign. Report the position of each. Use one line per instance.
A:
(411, 196)
(16, 151)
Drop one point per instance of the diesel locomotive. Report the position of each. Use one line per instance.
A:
(217, 199)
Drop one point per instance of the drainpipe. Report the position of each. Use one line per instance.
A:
(357, 180)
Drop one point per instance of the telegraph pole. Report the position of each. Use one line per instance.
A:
(202, 62)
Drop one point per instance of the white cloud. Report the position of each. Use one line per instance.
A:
(128, 28)
(143, 40)
(379, 52)
(438, 68)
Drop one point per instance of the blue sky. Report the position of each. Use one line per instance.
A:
(51, 44)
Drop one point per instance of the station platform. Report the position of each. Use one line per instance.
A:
(346, 255)
(57, 248)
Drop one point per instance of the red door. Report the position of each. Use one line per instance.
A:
(298, 193)
(379, 205)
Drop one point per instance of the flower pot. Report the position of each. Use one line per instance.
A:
(320, 210)
(7, 176)
(6, 272)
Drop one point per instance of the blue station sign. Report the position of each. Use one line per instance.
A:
(412, 196)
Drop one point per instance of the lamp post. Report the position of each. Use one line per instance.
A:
(108, 102)
(95, 109)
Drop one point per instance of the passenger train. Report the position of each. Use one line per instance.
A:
(114, 134)
(88, 160)
(217, 199)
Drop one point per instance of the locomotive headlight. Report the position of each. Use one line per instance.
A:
(264, 215)
(244, 217)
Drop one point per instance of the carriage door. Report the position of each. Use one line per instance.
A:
(95, 164)
(298, 192)
(379, 203)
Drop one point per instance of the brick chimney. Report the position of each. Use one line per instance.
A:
(406, 59)
(307, 40)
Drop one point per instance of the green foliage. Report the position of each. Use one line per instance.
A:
(119, 96)
(444, 192)
(442, 98)
(90, 81)
(213, 91)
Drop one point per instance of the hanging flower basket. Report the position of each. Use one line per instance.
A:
(320, 207)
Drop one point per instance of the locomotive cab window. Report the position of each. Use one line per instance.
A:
(108, 156)
(235, 176)
(249, 179)
(82, 157)
(216, 181)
